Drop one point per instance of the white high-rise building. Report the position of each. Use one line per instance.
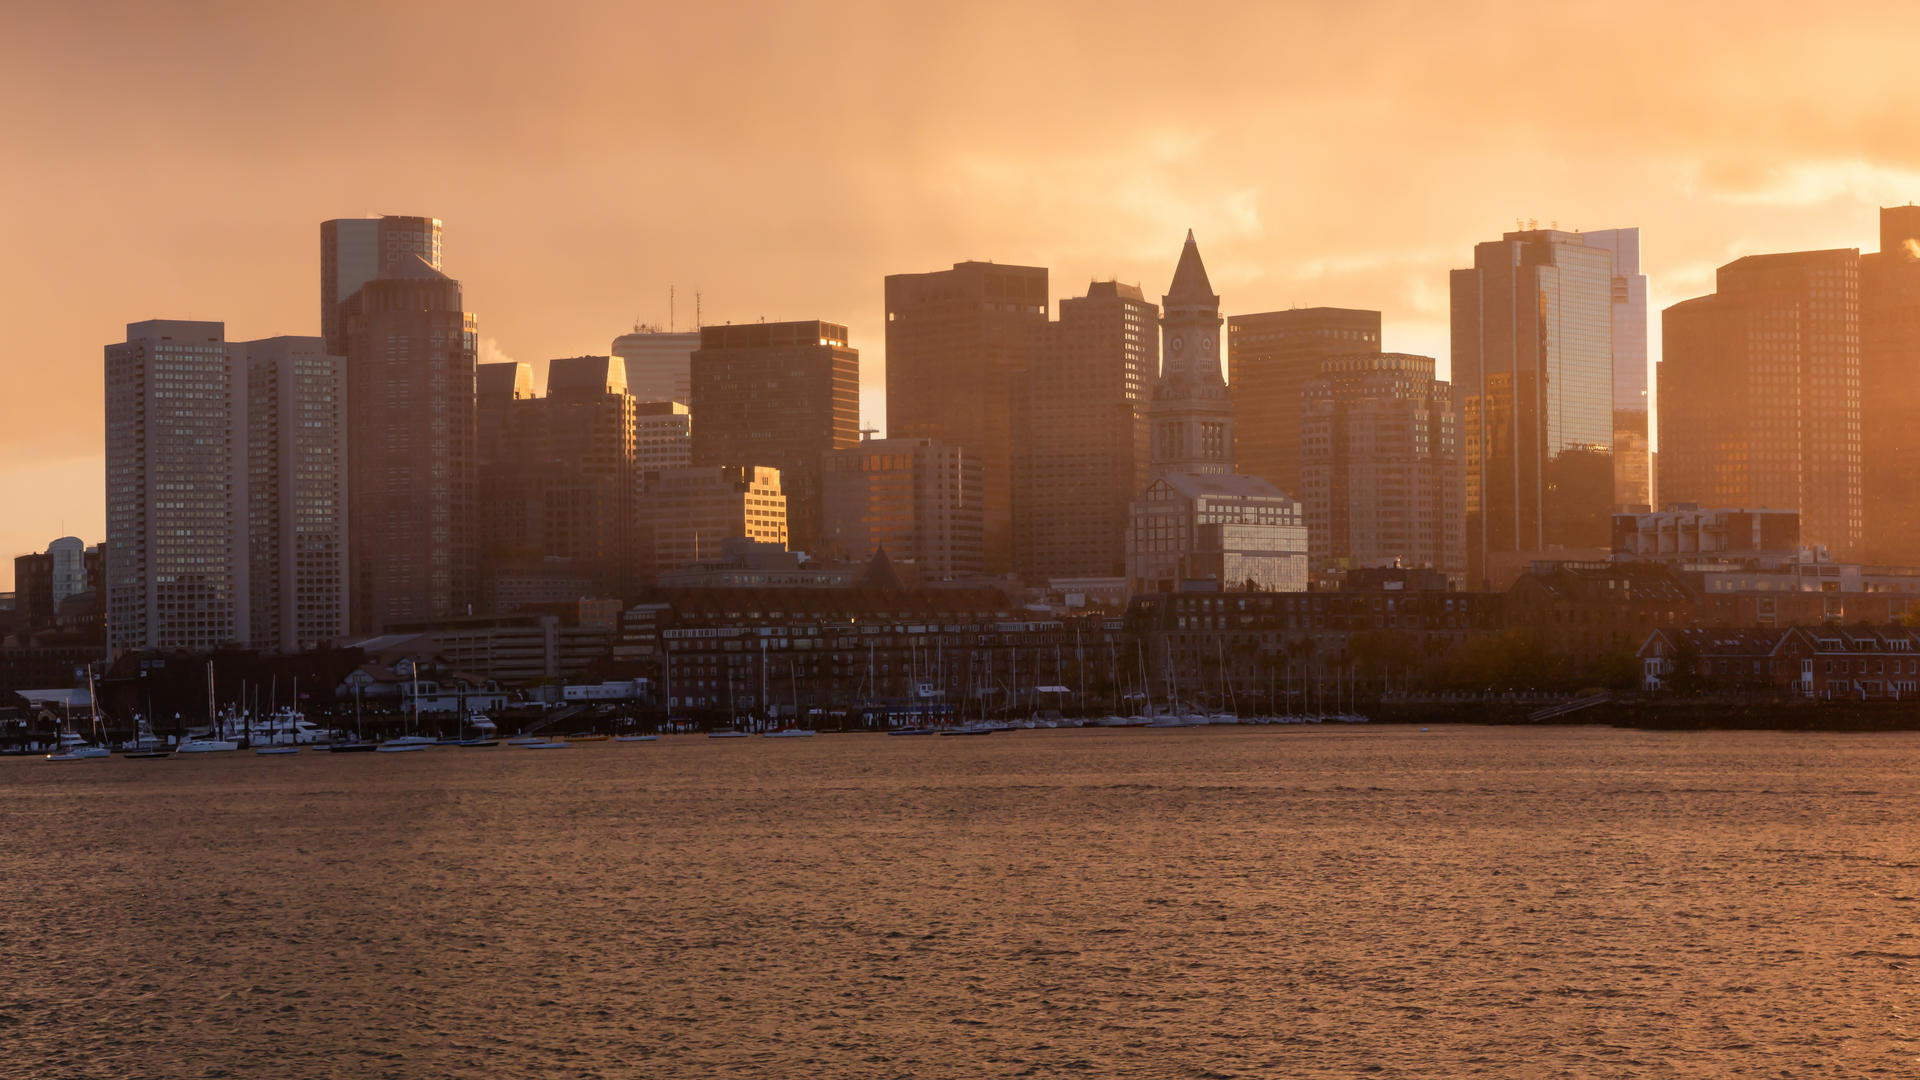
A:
(659, 364)
(176, 422)
(297, 491)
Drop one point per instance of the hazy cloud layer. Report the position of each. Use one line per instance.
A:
(175, 160)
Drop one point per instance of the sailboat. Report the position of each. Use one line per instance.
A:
(72, 746)
(408, 743)
(212, 745)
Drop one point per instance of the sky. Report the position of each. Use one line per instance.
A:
(174, 160)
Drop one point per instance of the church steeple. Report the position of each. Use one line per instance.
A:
(1192, 415)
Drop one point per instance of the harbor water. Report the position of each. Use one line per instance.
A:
(1217, 902)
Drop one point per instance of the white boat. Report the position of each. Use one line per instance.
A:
(788, 733)
(398, 746)
(207, 746)
(81, 753)
(409, 740)
(526, 740)
(265, 751)
(636, 738)
(479, 722)
(728, 735)
(554, 745)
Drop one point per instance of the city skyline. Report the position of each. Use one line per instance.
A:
(1344, 225)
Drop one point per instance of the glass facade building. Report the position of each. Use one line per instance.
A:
(1533, 374)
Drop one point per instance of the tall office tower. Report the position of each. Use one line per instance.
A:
(413, 532)
(658, 363)
(354, 251)
(1890, 373)
(1632, 460)
(1191, 415)
(1080, 433)
(503, 474)
(1270, 356)
(1533, 380)
(296, 492)
(1381, 465)
(1760, 393)
(1197, 519)
(778, 395)
(955, 339)
(68, 559)
(916, 497)
(688, 512)
(663, 438)
(587, 485)
(176, 488)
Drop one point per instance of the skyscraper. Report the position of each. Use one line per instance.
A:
(1890, 377)
(1197, 519)
(915, 497)
(663, 437)
(354, 251)
(1533, 379)
(588, 485)
(1381, 472)
(1270, 356)
(955, 338)
(658, 363)
(176, 488)
(414, 543)
(1760, 393)
(1632, 461)
(1080, 433)
(777, 395)
(296, 492)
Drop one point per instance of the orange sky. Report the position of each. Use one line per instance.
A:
(781, 158)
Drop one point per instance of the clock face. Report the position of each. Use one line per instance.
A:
(1177, 343)
(1206, 344)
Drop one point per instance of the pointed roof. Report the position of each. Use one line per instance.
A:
(880, 574)
(1190, 277)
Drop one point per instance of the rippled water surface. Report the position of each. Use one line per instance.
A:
(1216, 903)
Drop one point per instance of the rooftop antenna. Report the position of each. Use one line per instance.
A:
(696, 309)
(670, 298)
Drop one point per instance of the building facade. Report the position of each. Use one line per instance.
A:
(1270, 357)
(1760, 393)
(1080, 433)
(296, 492)
(1685, 533)
(686, 514)
(955, 340)
(413, 540)
(778, 395)
(916, 498)
(659, 363)
(1380, 474)
(176, 422)
(1890, 377)
(663, 437)
(354, 251)
(1632, 405)
(1533, 377)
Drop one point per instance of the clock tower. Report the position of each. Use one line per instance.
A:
(1191, 414)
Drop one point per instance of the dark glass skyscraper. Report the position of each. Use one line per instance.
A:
(1533, 380)
(779, 395)
(413, 534)
(955, 339)
(1890, 376)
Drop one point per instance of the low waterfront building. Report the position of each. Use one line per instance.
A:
(1824, 663)
(1234, 531)
(1589, 611)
